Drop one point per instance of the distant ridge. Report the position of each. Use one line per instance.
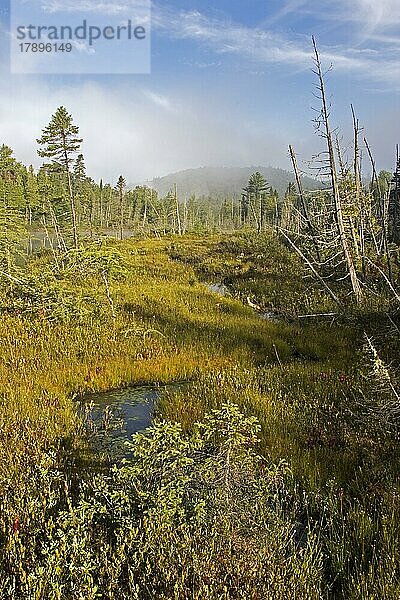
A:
(224, 182)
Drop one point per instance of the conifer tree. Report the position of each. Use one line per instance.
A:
(121, 184)
(60, 142)
(12, 207)
(254, 197)
(83, 193)
(79, 173)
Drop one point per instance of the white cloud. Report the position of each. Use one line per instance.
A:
(268, 47)
(83, 47)
(228, 37)
(371, 20)
(369, 14)
(159, 100)
(287, 8)
(372, 14)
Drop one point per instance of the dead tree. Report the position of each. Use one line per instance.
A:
(358, 189)
(327, 134)
(304, 203)
(311, 267)
(178, 215)
(381, 214)
(394, 206)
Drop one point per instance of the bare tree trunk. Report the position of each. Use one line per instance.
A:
(49, 240)
(340, 157)
(145, 208)
(303, 203)
(357, 181)
(253, 210)
(185, 216)
(156, 211)
(335, 187)
(178, 216)
(60, 240)
(381, 209)
(71, 193)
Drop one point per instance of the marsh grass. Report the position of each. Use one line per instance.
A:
(168, 327)
(302, 382)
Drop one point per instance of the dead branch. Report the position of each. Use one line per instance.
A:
(311, 267)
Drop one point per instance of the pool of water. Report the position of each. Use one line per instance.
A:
(130, 409)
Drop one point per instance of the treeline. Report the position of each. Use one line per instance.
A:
(67, 204)
(63, 201)
(70, 204)
(344, 227)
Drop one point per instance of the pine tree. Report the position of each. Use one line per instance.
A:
(256, 190)
(121, 184)
(12, 207)
(79, 174)
(83, 193)
(60, 142)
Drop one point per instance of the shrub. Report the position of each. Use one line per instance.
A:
(197, 515)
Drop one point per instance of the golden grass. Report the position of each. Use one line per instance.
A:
(299, 381)
(169, 327)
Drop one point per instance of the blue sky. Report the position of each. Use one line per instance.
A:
(231, 84)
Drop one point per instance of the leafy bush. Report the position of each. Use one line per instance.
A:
(187, 516)
(52, 293)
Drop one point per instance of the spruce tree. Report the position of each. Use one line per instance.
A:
(120, 187)
(60, 142)
(79, 173)
(82, 193)
(258, 188)
(12, 208)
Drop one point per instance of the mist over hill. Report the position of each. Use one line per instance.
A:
(224, 182)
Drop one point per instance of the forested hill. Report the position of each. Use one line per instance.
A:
(223, 182)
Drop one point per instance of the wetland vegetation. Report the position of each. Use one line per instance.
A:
(265, 475)
(265, 329)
